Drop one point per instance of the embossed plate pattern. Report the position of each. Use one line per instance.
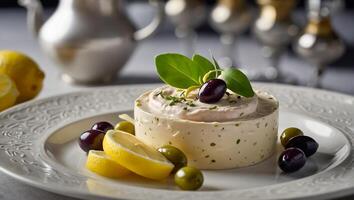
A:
(25, 129)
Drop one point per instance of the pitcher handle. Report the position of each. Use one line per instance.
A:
(151, 28)
(34, 14)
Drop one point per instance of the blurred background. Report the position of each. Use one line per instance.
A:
(309, 43)
(86, 43)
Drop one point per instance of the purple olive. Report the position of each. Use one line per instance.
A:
(291, 160)
(308, 145)
(102, 126)
(212, 91)
(91, 140)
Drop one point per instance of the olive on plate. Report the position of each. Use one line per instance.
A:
(102, 126)
(126, 127)
(175, 156)
(307, 144)
(91, 140)
(288, 134)
(189, 178)
(291, 160)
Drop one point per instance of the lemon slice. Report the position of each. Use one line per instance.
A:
(136, 156)
(99, 163)
(8, 92)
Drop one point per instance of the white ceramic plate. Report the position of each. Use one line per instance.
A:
(38, 145)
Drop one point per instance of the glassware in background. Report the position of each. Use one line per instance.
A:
(275, 29)
(337, 6)
(186, 15)
(230, 18)
(319, 44)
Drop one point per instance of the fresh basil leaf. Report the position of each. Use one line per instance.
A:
(177, 70)
(237, 82)
(204, 65)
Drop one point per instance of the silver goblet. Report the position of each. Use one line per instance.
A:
(275, 29)
(230, 18)
(186, 15)
(319, 44)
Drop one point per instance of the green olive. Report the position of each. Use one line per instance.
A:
(175, 156)
(189, 178)
(288, 134)
(125, 126)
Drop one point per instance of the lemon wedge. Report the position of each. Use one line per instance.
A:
(8, 92)
(133, 154)
(99, 163)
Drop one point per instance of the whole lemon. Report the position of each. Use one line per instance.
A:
(8, 92)
(24, 71)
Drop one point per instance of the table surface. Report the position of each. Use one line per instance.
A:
(140, 69)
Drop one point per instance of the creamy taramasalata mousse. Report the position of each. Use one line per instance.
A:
(234, 132)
